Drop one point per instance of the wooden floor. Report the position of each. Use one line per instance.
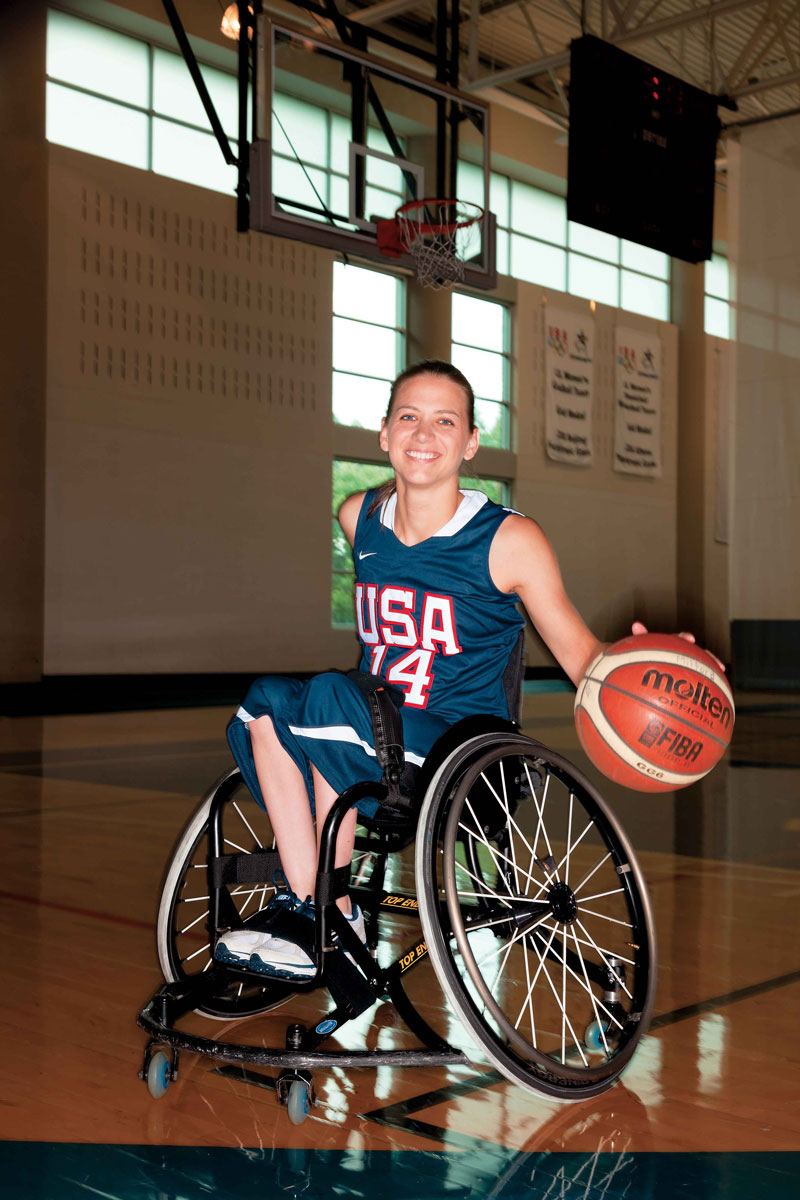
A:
(89, 808)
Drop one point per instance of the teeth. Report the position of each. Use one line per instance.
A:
(421, 455)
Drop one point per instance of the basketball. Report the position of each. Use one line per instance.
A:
(654, 712)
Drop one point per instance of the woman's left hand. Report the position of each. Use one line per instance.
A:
(638, 628)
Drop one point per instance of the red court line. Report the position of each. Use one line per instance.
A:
(78, 912)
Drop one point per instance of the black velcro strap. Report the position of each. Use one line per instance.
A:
(332, 884)
(258, 867)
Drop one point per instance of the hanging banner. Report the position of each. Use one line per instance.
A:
(569, 387)
(637, 431)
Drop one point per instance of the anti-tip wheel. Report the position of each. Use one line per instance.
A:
(159, 1074)
(298, 1102)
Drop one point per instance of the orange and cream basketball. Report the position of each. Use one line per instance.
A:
(654, 712)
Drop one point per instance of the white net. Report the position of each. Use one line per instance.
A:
(441, 236)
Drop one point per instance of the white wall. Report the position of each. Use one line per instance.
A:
(190, 440)
(765, 245)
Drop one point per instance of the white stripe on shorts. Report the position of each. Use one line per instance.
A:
(345, 733)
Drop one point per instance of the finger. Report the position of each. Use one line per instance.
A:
(688, 637)
(638, 628)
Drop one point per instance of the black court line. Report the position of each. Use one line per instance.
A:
(23, 762)
(398, 1115)
(760, 765)
(721, 1001)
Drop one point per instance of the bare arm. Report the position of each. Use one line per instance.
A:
(522, 560)
(348, 514)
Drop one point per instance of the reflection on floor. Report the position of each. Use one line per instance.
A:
(89, 807)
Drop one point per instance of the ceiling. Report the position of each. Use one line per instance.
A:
(746, 50)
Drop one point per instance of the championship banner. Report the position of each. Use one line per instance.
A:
(569, 370)
(637, 431)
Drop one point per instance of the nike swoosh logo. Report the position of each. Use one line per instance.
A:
(369, 554)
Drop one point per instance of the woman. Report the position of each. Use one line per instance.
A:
(439, 576)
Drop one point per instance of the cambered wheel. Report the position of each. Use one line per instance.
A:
(536, 915)
(182, 936)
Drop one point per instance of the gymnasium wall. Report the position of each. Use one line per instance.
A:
(190, 441)
(765, 235)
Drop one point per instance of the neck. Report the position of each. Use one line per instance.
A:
(422, 512)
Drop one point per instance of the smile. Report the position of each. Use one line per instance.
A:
(422, 455)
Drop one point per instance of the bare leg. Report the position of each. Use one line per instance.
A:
(324, 796)
(284, 791)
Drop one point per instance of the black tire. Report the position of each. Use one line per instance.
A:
(181, 934)
(554, 931)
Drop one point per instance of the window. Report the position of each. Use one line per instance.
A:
(480, 348)
(117, 97)
(369, 339)
(717, 297)
(350, 477)
(311, 163)
(536, 242)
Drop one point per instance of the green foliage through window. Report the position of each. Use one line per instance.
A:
(350, 477)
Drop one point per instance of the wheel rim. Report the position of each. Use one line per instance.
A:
(555, 872)
(183, 936)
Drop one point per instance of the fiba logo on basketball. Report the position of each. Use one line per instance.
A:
(654, 712)
(657, 734)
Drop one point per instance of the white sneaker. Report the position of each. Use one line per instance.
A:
(237, 945)
(286, 960)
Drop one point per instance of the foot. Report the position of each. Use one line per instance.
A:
(286, 960)
(237, 946)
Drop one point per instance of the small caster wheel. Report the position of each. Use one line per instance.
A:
(159, 1074)
(298, 1102)
(593, 1037)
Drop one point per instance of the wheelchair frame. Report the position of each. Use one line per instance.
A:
(356, 986)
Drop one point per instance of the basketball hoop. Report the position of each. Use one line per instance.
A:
(438, 234)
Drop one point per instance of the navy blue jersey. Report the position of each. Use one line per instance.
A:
(429, 617)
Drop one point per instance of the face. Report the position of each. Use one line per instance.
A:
(427, 433)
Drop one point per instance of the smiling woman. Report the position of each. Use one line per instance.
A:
(439, 572)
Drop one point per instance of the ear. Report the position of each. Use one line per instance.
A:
(383, 440)
(473, 444)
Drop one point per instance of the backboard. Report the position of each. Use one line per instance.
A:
(347, 138)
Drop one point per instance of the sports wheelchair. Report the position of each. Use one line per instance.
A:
(533, 908)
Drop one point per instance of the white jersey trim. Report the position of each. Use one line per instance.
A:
(473, 501)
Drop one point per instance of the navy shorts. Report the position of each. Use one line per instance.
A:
(325, 721)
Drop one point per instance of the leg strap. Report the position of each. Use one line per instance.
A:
(384, 703)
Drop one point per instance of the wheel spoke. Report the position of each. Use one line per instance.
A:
(481, 883)
(565, 1018)
(606, 963)
(540, 814)
(604, 917)
(253, 833)
(599, 895)
(586, 878)
(495, 852)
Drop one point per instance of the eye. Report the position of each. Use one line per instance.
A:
(447, 421)
(406, 417)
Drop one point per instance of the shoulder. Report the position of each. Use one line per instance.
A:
(519, 548)
(348, 514)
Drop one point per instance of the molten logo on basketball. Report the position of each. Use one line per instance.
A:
(684, 689)
(670, 740)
